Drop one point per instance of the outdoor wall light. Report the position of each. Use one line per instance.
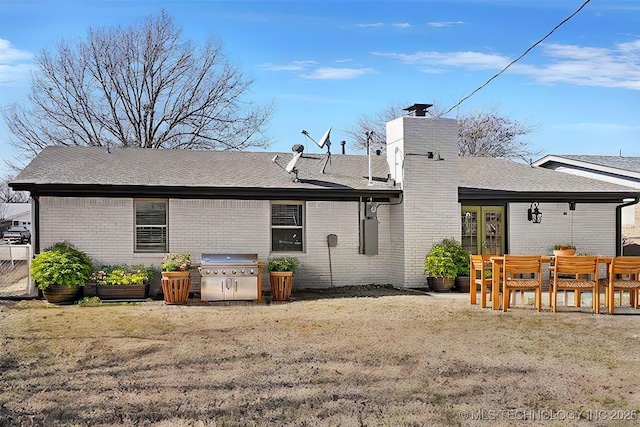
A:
(572, 206)
(533, 213)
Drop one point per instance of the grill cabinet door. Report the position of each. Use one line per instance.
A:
(212, 289)
(245, 288)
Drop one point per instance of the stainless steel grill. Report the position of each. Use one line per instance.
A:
(227, 277)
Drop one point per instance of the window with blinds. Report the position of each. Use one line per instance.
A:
(287, 227)
(151, 226)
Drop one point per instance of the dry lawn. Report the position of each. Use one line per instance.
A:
(391, 360)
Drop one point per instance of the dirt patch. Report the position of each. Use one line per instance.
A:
(409, 359)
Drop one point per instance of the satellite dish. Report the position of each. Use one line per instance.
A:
(325, 139)
(292, 163)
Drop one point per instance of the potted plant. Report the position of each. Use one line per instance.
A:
(176, 280)
(564, 249)
(60, 272)
(281, 271)
(440, 266)
(122, 281)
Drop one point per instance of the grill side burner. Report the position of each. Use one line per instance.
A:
(226, 277)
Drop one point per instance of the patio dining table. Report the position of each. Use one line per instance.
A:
(497, 261)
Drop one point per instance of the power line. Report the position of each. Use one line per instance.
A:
(518, 58)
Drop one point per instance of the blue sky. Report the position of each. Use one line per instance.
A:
(325, 63)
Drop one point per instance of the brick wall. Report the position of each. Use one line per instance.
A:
(591, 228)
(429, 211)
(104, 229)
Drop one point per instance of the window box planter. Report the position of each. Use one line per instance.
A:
(121, 292)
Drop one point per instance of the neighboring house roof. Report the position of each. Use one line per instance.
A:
(485, 177)
(628, 167)
(199, 173)
(12, 211)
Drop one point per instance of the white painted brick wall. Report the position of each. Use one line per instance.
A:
(104, 228)
(429, 211)
(591, 228)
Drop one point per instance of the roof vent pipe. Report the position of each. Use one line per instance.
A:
(343, 143)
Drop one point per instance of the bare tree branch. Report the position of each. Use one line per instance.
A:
(480, 134)
(138, 86)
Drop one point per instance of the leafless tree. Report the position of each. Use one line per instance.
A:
(7, 195)
(491, 135)
(480, 134)
(138, 86)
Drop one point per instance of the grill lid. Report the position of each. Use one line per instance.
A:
(229, 259)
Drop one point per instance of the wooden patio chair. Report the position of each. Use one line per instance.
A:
(583, 276)
(624, 275)
(480, 264)
(514, 270)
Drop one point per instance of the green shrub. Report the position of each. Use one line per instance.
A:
(447, 259)
(117, 275)
(287, 263)
(61, 264)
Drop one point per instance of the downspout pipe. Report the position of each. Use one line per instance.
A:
(619, 224)
(36, 223)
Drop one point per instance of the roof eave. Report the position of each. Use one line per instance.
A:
(188, 192)
(465, 193)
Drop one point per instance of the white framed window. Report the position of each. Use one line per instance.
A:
(287, 227)
(151, 225)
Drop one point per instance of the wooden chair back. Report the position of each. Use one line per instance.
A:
(522, 264)
(478, 268)
(624, 265)
(579, 264)
(624, 275)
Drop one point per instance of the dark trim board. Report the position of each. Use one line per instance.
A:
(500, 196)
(240, 193)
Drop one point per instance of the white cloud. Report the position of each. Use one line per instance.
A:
(445, 23)
(401, 25)
(330, 73)
(436, 60)
(375, 24)
(292, 66)
(9, 54)
(15, 64)
(617, 66)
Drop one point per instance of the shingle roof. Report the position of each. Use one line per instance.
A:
(624, 163)
(232, 169)
(199, 168)
(499, 174)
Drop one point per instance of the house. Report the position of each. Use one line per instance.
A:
(15, 214)
(614, 169)
(134, 205)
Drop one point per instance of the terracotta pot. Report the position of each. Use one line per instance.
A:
(564, 252)
(175, 287)
(61, 294)
(281, 284)
(440, 284)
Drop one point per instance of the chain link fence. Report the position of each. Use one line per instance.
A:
(15, 281)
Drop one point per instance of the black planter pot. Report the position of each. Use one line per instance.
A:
(463, 284)
(440, 284)
(62, 295)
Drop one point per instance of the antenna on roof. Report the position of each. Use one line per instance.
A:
(291, 166)
(321, 143)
